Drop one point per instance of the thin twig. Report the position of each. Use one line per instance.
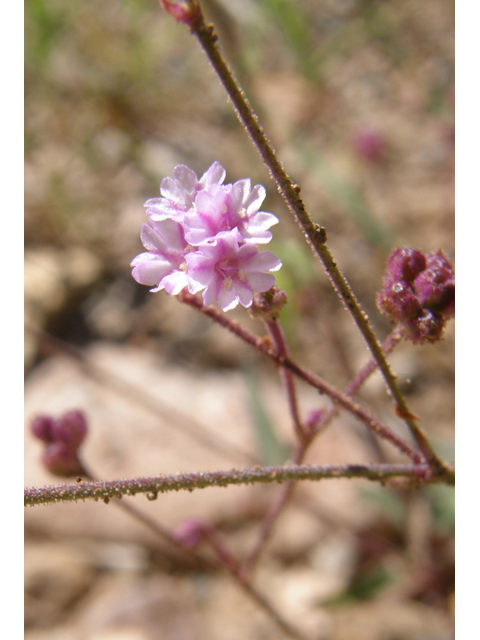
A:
(354, 385)
(337, 396)
(278, 339)
(106, 490)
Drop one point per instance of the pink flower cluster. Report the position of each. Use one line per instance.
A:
(203, 235)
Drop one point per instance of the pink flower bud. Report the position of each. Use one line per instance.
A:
(435, 286)
(61, 460)
(71, 429)
(191, 533)
(405, 264)
(427, 327)
(62, 436)
(42, 428)
(182, 10)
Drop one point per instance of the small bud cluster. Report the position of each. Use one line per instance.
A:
(62, 436)
(418, 293)
(268, 305)
(203, 235)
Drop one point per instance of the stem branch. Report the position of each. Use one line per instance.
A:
(106, 490)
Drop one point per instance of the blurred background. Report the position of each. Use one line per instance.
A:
(357, 97)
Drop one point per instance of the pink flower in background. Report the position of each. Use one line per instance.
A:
(203, 235)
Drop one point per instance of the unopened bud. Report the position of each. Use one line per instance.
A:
(191, 533)
(405, 264)
(435, 287)
(62, 437)
(418, 293)
(42, 428)
(182, 10)
(61, 461)
(71, 429)
(268, 305)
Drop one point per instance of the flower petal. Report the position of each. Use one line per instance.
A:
(215, 173)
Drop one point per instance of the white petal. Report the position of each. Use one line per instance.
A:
(244, 293)
(227, 299)
(174, 282)
(186, 177)
(151, 240)
(169, 188)
(215, 173)
(255, 198)
(239, 193)
(161, 208)
(151, 272)
(262, 220)
(263, 261)
(260, 281)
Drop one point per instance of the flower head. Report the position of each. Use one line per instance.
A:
(203, 235)
(418, 293)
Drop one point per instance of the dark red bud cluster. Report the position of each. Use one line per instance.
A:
(418, 293)
(62, 437)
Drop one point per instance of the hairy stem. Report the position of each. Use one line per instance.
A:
(106, 490)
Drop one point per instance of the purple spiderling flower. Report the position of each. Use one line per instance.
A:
(203, 235)
(231, 272)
